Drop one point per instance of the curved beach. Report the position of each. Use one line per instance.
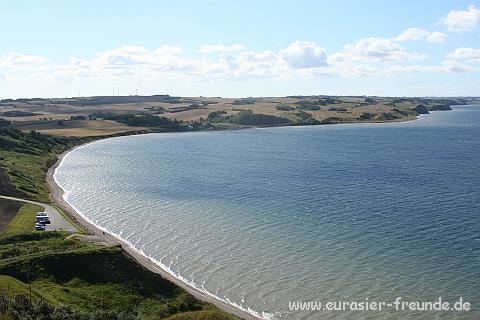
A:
(56, 195)
(216, 211)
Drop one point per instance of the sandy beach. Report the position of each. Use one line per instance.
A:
(56, 195)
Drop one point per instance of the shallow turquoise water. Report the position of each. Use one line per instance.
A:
(266, 216)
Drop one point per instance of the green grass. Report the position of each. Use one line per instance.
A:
(21, 247)
(11, 286)
(23, 222)
(91, 278)
(26, 157)
(27, 173)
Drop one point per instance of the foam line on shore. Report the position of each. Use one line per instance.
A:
(163, 268)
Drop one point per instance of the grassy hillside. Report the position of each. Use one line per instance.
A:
(46, 273)
(25, 158)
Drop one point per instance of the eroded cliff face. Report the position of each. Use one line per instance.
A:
(440, 107)
(6, 187)
(421, 109)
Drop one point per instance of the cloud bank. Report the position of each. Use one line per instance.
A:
(371, 56)
(365, 57)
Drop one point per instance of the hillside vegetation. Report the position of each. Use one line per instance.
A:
(45, 275)
(94, 116)
(51, 275)
(25, 158)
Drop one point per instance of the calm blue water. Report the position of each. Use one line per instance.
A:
(262, 217)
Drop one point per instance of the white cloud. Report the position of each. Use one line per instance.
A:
(359, 70)
(464, 53)
(462, 20)
(436, 37)
(134, 61)
(414, 33)
(304, 54)
(259, 64)
(373, 50)
(368, 57)
(413, 69)
(15, 59)
(26, 66)
(447, 66)
(456, 67)
(136, 55)
(210, 48)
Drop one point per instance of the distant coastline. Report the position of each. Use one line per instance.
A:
(112, 115)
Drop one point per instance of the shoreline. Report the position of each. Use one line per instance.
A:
(56, 196)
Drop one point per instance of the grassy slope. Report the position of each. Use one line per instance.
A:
(9, 285)
(31, 184)
(91, 278)
(25, 158)
(24, 220)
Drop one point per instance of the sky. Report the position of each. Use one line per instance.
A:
(245, 48)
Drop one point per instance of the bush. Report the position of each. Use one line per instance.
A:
(284, 107)
(248, 118)
(215, 115)
(240, 102)
(4, 123)
(366, 116)
(140, 120)
(78, 117)
(338, 109)
(21, 308)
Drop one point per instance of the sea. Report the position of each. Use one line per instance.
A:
(276, 219)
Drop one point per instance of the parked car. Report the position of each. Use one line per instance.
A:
(39, 226)
(43, 219)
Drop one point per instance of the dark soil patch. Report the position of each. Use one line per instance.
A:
(8, 210)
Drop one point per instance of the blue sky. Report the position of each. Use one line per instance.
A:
(239, 48)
